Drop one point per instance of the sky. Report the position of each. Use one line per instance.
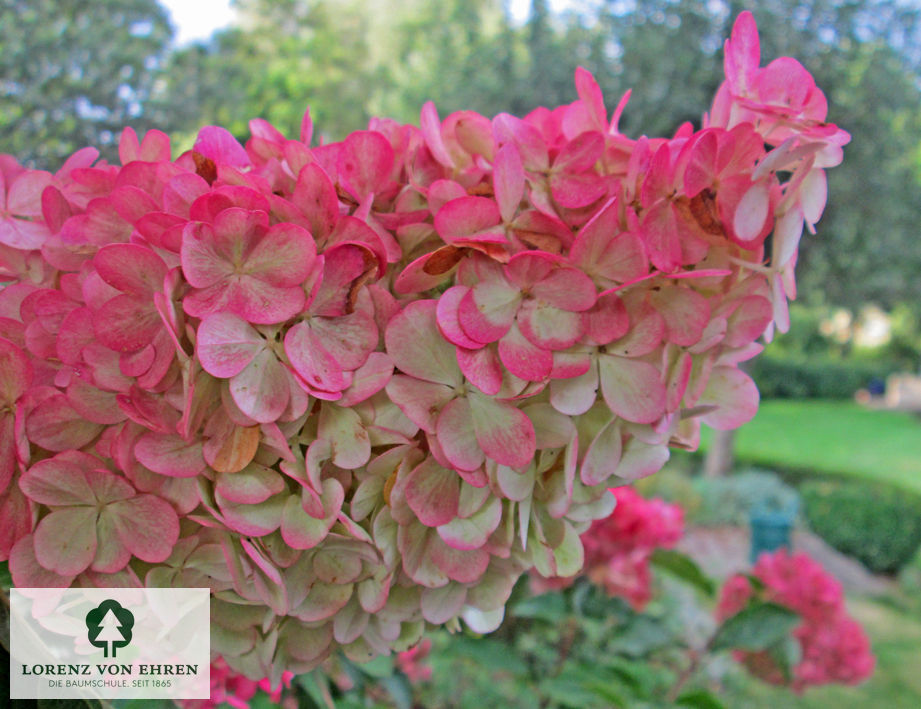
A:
(197, 19)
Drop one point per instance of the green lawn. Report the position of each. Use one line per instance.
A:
(838, 437)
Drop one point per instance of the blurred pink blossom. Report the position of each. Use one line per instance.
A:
(834, 647)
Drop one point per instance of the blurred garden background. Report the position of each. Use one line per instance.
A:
(837, 441)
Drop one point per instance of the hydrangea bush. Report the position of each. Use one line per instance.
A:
(359, 388)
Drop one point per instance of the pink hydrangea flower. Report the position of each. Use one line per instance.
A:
(97, 519)
(412, 662)
(21, 226)
(834, 647)
(240, 265)
(236, 690)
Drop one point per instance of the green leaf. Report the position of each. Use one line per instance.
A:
(316, 691)
(755, 627)
(568, 692)
(6, 580)
(381, 666)
(641, 678)
(787, 653)
(550, 607)
(699, 699)
(592, 602)
(490, 654)
(606, 692)
(641, 635)
(262, 701)
(400, 690)
(757, 584)
(627, 675)
(683, 567)
(349, 702)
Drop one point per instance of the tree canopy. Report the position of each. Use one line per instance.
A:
(75, 73)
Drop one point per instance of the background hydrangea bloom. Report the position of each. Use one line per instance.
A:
(834, 647)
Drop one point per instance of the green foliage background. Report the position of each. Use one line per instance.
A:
(879, 525)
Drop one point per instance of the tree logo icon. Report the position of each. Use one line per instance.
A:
(109, 626)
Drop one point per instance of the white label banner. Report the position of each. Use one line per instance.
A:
(110, 643)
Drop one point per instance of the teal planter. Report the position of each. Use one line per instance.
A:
(771, 527)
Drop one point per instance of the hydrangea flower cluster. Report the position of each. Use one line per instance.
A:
(414, 662)
(618, 548)
(236, 690)
(834, 647)
(361, 387)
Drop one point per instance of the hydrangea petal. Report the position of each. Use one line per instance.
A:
(310, 359)
(487, 311)
(685, 311)
(632, 388)
(466, 217)
(348, 339)
(432, 493)
(417, 348)
(575, 396)
(439, 605)
(283, 257)
(252, 485)
(508, 180)
(421, 401)
(504, 433)
(640, 460)
(472, 532)
(461, 565)
(365, 162)
(523, 358)
(56, 426)
(130, 268)
(65, 540)
(349, 441)
(454, 429)
(28, 573)
(226, 344)
(448, 322)
(603, 455)
(127, 323)
(566, 288)
(60, 480)
(169, 454)
(482, 368)
(734, 394)
(548, 327)
(261, 390)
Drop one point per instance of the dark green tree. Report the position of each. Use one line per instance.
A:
(75, 72)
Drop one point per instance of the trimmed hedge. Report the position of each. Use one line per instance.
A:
(818, 378)
(876, 524)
